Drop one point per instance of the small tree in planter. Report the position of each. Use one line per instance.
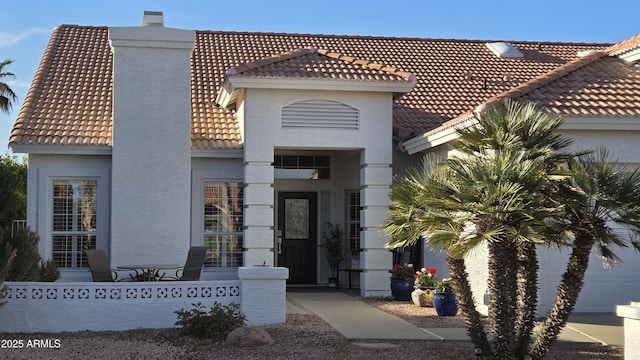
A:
(332, 241)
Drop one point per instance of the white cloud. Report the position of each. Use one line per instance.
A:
(9, 39)
(18, 84)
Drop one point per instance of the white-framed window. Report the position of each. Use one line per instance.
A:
(73, 220)
(352, 212)
(223, 219)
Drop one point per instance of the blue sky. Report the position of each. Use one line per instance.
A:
(25, 26)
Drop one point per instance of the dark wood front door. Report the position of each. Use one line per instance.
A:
(297, 235)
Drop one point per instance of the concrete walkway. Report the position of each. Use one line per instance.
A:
(356, 320)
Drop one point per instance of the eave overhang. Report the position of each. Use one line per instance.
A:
(46, 149)
(232, 86)
(448, 132)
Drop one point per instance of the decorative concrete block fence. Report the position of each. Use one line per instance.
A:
(77, 306)
(631, 315)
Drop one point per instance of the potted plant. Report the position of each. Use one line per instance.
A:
(332, 241)
(402, 279)
(444, 300)
(425, 283)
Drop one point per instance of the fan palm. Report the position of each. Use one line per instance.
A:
(494, 191)
(602, 211)
(7, 96)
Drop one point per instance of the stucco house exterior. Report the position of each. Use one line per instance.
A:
(146, 140)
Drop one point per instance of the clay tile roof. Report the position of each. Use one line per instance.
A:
(69, 101)
(629, 44)
(318, 63)
(597, 84)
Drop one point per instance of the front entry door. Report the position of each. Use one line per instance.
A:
(297, 235)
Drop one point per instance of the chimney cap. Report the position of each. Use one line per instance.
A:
(153, 18)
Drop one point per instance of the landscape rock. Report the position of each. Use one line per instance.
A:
(249, 337)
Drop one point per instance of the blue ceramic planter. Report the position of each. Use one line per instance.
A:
(401, 290)
(445, 304)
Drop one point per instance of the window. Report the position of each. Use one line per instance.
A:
(302, 167)
(74, 221)
(353, 220)
(223, 224)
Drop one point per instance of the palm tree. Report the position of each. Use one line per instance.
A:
(607, 195)
(496, 191)
(7, 96)
(413, 216)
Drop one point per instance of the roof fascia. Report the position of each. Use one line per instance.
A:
(217, 153)
(61, 149)
(445, 134)
(602, 123)
(232, 86)
(438, 136)
(632, 56)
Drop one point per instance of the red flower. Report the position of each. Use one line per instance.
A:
(397, 266)
(432, 271)
(418, 275)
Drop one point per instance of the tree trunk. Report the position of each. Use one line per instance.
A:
(568, 291)
(502, 287)
(527, 297)
(464, 295)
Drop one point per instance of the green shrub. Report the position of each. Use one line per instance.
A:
(27, 265)
(3, 275)
(215, 324)
(49, 271)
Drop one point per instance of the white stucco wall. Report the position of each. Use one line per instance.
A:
(151, 174)
(263, 133)
(42, 170)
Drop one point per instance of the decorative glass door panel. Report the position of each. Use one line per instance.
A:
(297, 235)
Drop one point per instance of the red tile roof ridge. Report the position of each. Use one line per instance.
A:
(549, 77)
(624, 46)
(525, 88)
(368, 64)
(408, 38)
(244, 67)
(239, 69)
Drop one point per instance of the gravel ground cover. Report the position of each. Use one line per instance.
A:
(303, 336)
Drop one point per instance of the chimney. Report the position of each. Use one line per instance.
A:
(151, 142)
(153, 18)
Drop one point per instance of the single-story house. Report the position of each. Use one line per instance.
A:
(146, 140)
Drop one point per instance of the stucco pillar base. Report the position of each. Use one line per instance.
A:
(631, 315)
(375, 283)
(253, 257)
(264, 294)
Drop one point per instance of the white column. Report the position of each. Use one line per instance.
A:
(375, 180)
(259, 207)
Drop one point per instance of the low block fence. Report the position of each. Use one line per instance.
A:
(76, 306)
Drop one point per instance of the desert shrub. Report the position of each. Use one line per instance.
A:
(49, 271)
(3, 275)
(27, 265)
(215, 324)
